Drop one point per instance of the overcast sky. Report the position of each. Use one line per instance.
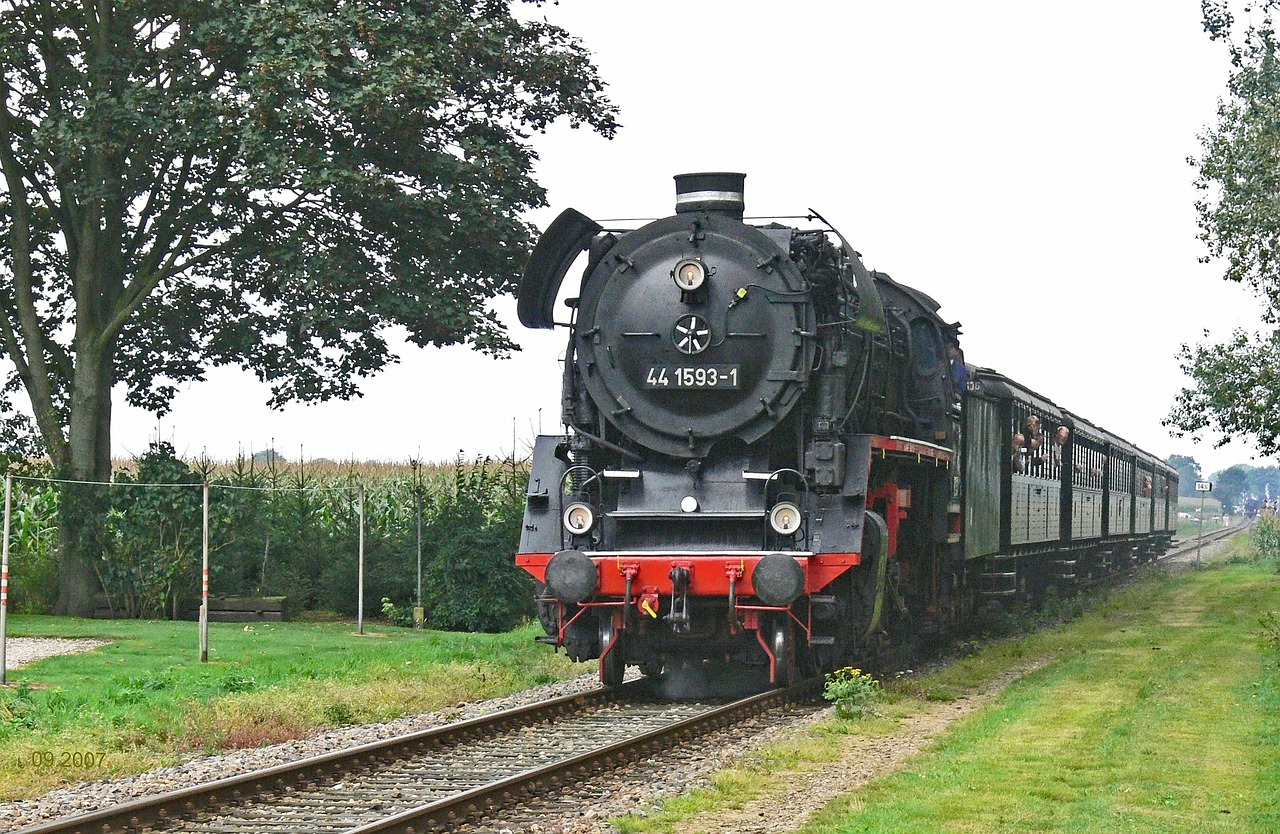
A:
(1022, 162)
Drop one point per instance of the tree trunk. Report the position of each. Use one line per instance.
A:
(77, 580)
(84, 505)
(98, 281)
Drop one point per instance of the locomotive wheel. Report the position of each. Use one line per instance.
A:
(548, 615)
(613, 666)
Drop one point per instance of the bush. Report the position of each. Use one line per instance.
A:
(396, 615)
(1270, 623)
(152, 536)
(1266, 537)
(470, 580)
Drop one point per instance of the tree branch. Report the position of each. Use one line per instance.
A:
(14, 348)
(167, 215)
(38, 382)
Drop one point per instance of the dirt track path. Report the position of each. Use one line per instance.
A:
(863, 759)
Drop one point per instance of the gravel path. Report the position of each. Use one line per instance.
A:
(20, 651)
(862, 758)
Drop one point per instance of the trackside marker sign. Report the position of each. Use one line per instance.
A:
(1204, 486)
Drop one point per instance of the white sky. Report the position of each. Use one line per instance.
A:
(1023, 163)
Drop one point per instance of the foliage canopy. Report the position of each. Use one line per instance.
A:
(1234, 390)
(1236, 484)
(269, 184)
(1235, 393)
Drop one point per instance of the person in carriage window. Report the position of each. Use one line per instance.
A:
(1034, 442)
(959, 371)
(1032, 431)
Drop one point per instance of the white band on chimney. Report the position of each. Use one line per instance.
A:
(707, 196)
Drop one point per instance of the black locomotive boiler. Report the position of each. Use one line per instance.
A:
(767, 466)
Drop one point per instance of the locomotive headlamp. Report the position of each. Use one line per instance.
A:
(579, 518)
(785, 518)
(689, 275)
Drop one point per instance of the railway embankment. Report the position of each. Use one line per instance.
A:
(1155, 710)
(275, 692)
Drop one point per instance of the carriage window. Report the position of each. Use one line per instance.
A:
(1121, 476)
(1087, 461)
(1032, 449)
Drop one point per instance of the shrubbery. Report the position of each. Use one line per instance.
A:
(294, 532)
(152, 543)
(1266, 537)
(1270, 623)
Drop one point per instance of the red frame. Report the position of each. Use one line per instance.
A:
(709, 573)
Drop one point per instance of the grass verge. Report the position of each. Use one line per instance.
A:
(1157, 710)
(145, 700)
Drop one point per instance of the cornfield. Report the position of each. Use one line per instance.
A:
(292, 531)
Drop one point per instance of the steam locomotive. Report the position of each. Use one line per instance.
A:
(772, 465)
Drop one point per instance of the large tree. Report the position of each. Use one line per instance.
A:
(271, 184)
(1234, 389)
(1234, 485)
(1188, 473)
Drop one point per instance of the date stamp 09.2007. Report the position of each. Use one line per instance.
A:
(45, 759)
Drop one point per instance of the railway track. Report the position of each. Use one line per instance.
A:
(444, 778)
(1177, 551)
(438, 779)
(1182, 547)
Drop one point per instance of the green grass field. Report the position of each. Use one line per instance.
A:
(145, 700)
(1189, 528)
(1156, 711)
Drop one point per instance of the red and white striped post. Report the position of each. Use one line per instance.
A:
(4, 580)
(204, 581)
(360, 559)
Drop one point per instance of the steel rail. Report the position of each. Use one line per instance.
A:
(171, 808)
(1187, 545)
(448, 813)
(141, 813)
(1176, 548)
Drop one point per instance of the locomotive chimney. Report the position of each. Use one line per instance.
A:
(718, 192)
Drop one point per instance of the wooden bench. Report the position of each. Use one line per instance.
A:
(245, 610)
(221, 609)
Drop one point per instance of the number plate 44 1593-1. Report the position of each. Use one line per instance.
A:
(701, 377)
